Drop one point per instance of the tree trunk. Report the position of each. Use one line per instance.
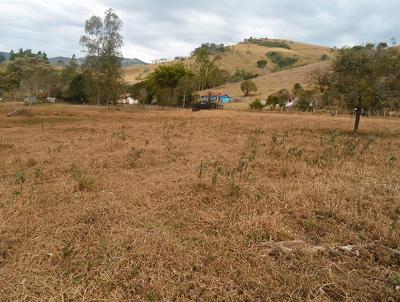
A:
(357, 122)
(98, 76)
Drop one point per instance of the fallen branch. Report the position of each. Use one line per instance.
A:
(289, 247)
(20, 112)
(397, 252)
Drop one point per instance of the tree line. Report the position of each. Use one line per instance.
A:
(358, 78)
(175, 84)
(99, 79)
(361, 79)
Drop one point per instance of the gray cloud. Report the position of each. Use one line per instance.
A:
(156, 28)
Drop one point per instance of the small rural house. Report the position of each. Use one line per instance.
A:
(223, 98)
(128, 100)
(291, 101)
(132, 101)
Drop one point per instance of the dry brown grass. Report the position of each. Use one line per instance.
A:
(175, 206)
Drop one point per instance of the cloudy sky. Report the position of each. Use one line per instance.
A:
(156, 29)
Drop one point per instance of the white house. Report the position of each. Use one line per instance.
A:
(291, 101)
(132, 101)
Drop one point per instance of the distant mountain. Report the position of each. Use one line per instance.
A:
(131, 62)
(5, 54)
(62, 61)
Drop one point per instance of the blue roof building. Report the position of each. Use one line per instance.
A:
(224, 98)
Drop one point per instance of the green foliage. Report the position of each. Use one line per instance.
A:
(363, 77)
(305, 101)
(267, 43)
(20, 178)
(34, 75)
(210, 48)
(280, 60)
(102, 43)
(382, 45)
(324, 57)
(278, 98)
(262, 63)
(28, 54)
(139, 91)
(167, 75)
(8, 82)
(241, 75)
(77, 88)
(274, 100)
(69, 71)
(170, 83)
(2, 58)
(248, 87)
(297, 89)
(209, 75)
(73, 82)
(152, 296)
(256, 105)
(83, 181)
(184, 90)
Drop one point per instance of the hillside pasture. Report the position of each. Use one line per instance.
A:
(120, 204)
(270, 83)
(244, 56)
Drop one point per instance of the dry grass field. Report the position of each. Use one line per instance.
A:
(100, 204)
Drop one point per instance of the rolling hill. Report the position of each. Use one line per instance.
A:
(271, 83)
(62, 61)
(244, 56)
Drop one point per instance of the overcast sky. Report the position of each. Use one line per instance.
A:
(156, 29)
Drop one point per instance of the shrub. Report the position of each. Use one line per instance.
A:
(278, 98)
(241, 75)
(83, 181)
(256, 105)
(324, 57)
(298, 89)
(303, 105)
(280, 60)
(267, 43)
(20, 178)
(262, 63)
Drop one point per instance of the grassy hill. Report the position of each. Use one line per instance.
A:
(272, 82)
(245, 55)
